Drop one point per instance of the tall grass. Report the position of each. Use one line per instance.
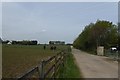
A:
(70, 69)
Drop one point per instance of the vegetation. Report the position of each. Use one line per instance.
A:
(25, 42)
(118, 39)
(101, 33)
(4, 42)
(0, 40)
(70, 69)
(17, 59)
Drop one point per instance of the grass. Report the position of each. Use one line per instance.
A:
(70, 69)
(17, 59)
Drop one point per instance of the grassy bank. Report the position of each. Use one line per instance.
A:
(70, 69)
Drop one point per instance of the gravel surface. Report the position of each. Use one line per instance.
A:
(93, 66)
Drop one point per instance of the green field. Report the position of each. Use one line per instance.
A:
(17, 59)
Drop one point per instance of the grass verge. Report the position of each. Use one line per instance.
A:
(70, 69)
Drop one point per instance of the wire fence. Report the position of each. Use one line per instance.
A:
(112, 54)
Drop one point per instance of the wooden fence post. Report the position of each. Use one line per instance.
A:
(39, 70)
(63, 58)
(42, 70)
(55, 66)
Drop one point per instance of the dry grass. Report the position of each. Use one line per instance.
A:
(18, 59)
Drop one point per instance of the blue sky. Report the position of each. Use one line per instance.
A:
(52, 21)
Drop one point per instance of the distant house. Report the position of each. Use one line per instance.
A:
(10, 42)
(57, 42)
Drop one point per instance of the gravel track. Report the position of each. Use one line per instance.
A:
(93, 66)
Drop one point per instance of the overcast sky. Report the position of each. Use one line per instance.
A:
(52, 21)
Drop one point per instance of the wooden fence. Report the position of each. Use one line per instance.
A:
(48, 68)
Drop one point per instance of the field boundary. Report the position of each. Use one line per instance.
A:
(43, 71)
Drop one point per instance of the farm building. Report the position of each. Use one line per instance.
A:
(10, 42)
(57, 42)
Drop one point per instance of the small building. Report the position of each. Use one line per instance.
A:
(9, 42)
(100, 51)
(57, 42)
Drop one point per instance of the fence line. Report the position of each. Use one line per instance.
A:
(48, 68)
(112, 54)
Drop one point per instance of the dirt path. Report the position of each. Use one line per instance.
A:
(93, 66)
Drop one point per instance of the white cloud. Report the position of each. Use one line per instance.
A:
(44, 30)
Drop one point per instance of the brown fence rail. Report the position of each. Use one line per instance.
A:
(48, 68)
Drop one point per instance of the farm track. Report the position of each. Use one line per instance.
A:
(93, 66)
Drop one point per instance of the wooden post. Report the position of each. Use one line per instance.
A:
(55, 66)
(62, 58)
(38, 71)
(42, 70)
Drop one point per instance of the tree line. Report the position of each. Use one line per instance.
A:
(24, 42)
(100, 33)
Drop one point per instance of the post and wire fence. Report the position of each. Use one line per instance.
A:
(112, 54)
